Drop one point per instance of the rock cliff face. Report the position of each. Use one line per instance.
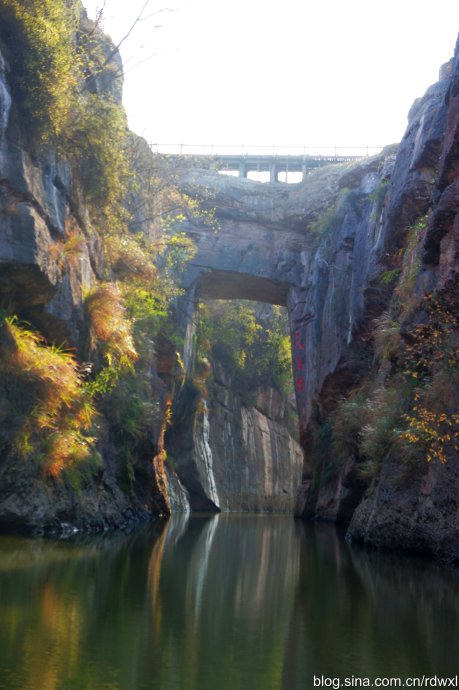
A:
(353, 277)
(234, 456)
(423, 514)
(41, 207)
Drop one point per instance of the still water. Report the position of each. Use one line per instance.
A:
(219, 603)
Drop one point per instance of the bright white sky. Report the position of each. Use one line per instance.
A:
(284, 72)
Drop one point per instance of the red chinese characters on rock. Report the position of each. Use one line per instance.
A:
(299, 363)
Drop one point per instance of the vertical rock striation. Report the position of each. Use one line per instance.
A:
(234, 456)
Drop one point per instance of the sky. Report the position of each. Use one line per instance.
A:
(284, 73)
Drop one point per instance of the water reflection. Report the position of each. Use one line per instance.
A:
(370, 614)
(227, 602)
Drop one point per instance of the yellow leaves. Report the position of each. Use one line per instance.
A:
(130, 259)
(432, 432)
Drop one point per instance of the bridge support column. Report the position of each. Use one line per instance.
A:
(242, 169)
(304, 171)
(273, 172)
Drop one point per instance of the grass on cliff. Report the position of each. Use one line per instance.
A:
(110, 329)
(50, 415)
(44, 406)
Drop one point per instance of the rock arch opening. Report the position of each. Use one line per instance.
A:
(227, 285)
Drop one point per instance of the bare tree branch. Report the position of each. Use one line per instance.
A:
(138, 19)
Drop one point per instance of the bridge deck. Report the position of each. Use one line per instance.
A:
(276, 164)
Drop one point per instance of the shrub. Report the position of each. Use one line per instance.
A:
(378, 196)
(411, 263)
(434, 433)
(379, 431)
(96, 140)
(387, 278)
(346, 424)
(326, 222)
(40, 36)
(330, 218)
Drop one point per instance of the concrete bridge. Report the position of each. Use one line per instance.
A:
(276, 164)
(263, 163)
(268, 249)
(264, 246)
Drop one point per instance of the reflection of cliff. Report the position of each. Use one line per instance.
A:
(368, 614)
(228, 602)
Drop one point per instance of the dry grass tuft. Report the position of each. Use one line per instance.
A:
(43, 400)
(109, 326)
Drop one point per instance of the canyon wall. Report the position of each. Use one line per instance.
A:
(380, 298)
(233, 455)
(42, 209)
(364, 257)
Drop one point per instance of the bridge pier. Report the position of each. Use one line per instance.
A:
(242, 169)
(273, 172)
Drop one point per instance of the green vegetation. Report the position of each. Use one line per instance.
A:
(96, 142)
(41, 37)
(252, 352)
(389, 277)
(410, 412)
(405, 293)
(378, 196)
(330, 219)
(51, 65)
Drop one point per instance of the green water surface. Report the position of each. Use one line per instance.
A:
(219, 603)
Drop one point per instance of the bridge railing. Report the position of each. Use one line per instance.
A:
(263, 150)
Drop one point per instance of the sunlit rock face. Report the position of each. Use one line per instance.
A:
(233, 455)
(39, 206)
